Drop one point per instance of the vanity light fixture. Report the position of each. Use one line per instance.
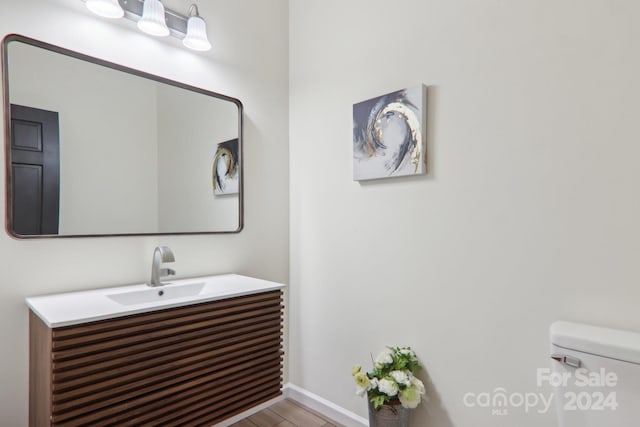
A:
(154, 19)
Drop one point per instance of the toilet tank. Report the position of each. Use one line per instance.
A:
(595, 375)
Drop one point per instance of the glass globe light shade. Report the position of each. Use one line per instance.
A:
(196, 37)
(152, 21)
(105, 8)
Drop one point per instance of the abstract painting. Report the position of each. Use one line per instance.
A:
(389, 135)
(225, 168)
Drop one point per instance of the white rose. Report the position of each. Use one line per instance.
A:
(401, 377)
(361, 390)
(419, 385)
(388, 387)
(384, 358)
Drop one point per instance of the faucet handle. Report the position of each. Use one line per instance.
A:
(167, 272)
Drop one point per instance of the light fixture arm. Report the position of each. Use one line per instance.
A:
(193, 10)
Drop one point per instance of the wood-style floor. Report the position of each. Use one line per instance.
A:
(286, 413)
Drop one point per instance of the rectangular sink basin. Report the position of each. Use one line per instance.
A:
(166, 292)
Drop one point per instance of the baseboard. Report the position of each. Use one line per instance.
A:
(323, 406)
(249, 412)
(311, 400)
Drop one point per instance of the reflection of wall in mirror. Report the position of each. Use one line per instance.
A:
(185, 175)
(86, 97)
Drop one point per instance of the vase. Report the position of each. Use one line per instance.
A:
(391, 414)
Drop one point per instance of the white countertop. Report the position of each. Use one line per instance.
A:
(72, 308)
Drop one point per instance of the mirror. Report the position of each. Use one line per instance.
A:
(97, 149)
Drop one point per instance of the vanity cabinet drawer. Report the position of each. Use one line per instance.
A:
(188, 366)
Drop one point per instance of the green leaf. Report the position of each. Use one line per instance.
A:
(377, 401)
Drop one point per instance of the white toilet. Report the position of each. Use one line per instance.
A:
(596, 375)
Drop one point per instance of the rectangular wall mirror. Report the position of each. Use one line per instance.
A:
(97, 149)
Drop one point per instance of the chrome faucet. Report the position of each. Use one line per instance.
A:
(161, 254)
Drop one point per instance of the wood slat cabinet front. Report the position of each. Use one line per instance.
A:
(188, 366)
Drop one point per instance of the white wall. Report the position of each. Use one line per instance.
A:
(529, 213)
(185, 186)
(249, 62)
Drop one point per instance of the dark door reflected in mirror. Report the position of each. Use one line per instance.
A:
(97, 149)
(35, 169)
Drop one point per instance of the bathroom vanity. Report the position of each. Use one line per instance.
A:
(191, 353)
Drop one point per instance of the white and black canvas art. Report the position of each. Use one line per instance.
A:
(225, 168)
(389, 135)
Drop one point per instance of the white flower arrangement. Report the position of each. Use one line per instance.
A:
(391, 379)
